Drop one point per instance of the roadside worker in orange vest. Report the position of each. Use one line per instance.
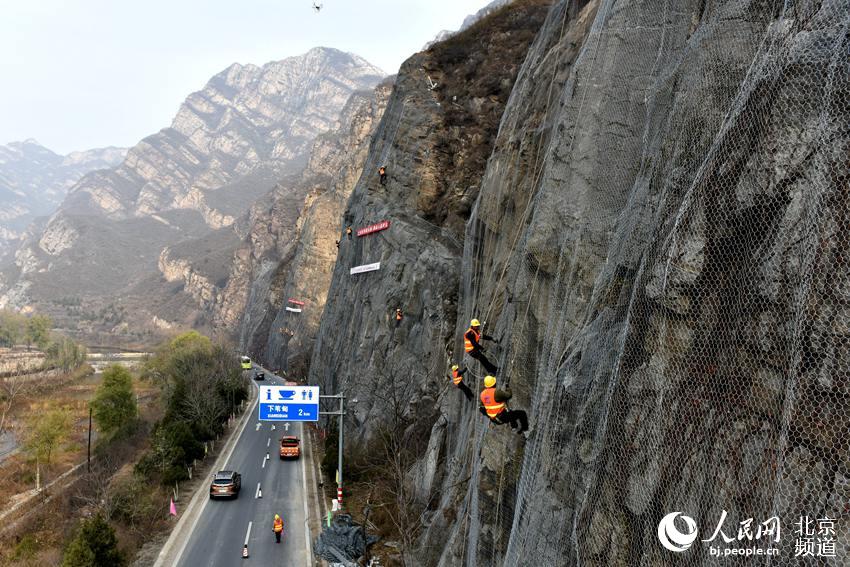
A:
(382, 171)
(457, 380)
(398, 317)
(494, 405)
(472, 344)
(277, 528)
(348, 232)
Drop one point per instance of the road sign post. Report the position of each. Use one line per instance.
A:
(341, 414)
(289, 403)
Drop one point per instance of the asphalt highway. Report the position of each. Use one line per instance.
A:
(269, 486)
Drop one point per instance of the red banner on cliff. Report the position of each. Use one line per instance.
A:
(377, 227)
(296, 302)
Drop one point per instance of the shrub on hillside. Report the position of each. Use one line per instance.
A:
(114, 405)
(202, 385)
(173, 448)
(65, 353)
(94, 545)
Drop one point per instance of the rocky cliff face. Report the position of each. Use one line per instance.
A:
(35, 180)
(657, 243)
(283, 259)
(124, 231)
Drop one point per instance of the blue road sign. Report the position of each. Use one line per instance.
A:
(289, 403)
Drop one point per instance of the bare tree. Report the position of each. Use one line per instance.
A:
(96, 490)
(398, 453)
(12, 387)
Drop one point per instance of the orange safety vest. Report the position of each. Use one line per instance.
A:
(456, 377)
(398, 315)
(488, 400)
(278, 526)
(467, 344)
(382, 171)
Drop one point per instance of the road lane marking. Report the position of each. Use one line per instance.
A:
(264, 462)
(248, 535)
(257, 493)
(269, 442)
(306, 496)
(258, 426)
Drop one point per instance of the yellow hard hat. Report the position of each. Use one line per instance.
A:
(276, 517)
(455, 366)
(475, 323)
(489, 381)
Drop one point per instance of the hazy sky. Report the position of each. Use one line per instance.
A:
(79, 74)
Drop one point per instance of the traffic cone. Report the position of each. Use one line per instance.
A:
(245, 552)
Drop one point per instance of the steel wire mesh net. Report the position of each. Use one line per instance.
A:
(684, 347)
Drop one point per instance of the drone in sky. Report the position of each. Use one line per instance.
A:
(317, 7)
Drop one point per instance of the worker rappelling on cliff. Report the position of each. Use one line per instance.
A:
(456, 376)
(473, 347)
(494, 405)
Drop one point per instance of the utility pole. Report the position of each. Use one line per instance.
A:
(88, 451)
(341, 414)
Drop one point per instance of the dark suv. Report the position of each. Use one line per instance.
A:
(260, 376)
(226, 484)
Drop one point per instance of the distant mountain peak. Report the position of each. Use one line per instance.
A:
(34, 180)
(182, 188)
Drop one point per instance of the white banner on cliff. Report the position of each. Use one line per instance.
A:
(366, 268)
(293, 309)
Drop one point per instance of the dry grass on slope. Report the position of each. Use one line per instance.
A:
(475, 71)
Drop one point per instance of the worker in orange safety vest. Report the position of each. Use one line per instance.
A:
(472, 345)
(494, 405)
(457, 379)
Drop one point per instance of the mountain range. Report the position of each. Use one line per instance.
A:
(34, 181)
(229, 144)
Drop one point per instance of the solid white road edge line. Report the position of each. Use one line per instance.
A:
(178, 529)
(307, 535)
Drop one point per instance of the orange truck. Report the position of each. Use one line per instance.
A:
(290, 447)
